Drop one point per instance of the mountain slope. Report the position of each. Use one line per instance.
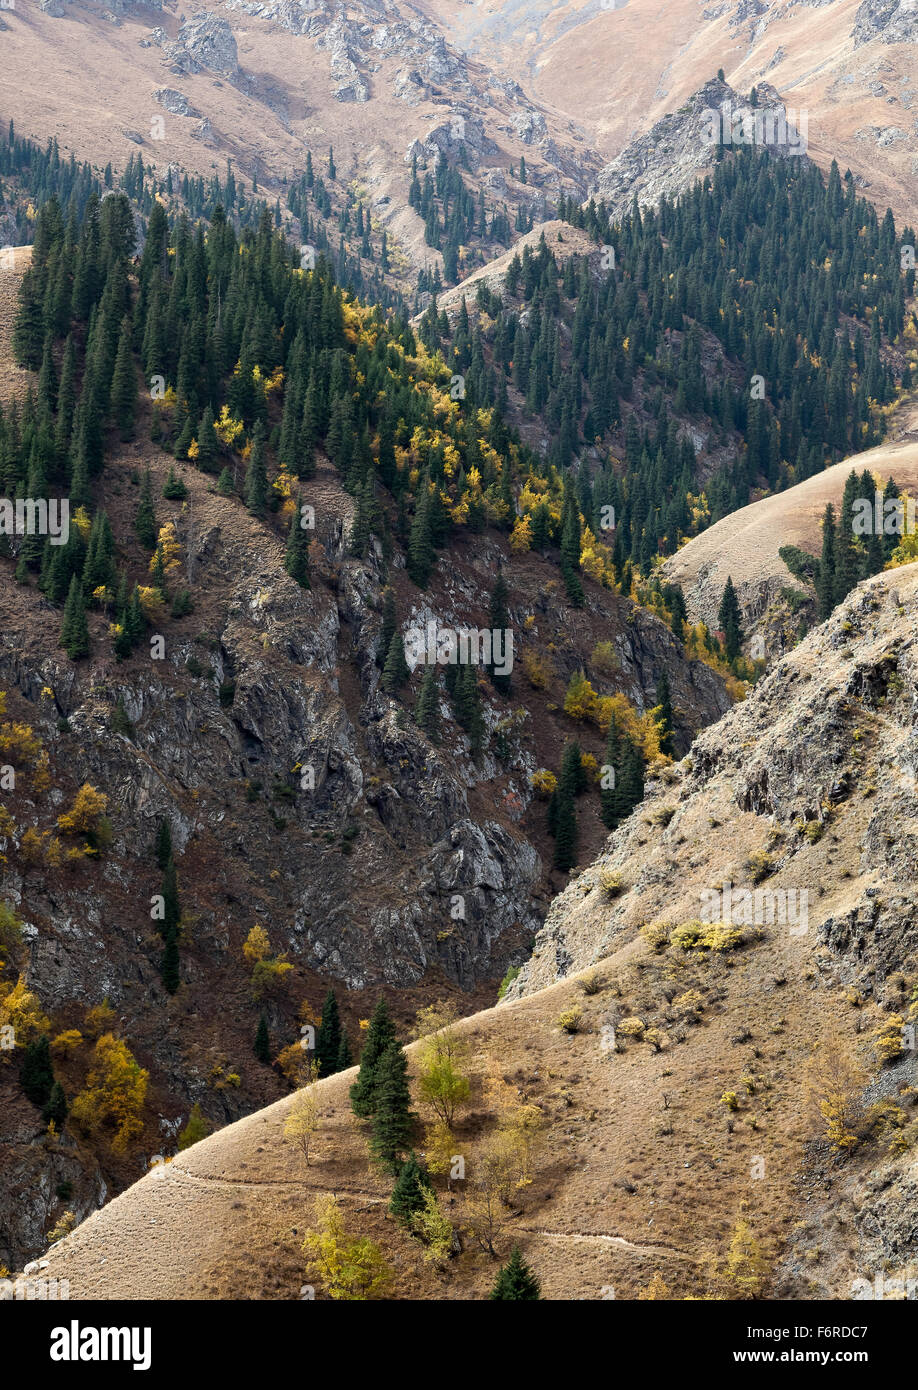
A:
(745, 544)
(638, 1144)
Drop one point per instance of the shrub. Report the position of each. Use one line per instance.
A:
(604, 658)
(543, 783)
(706, 936)
(66, 1043)
(760, 865)
(610, 881)
(631, 1028)
(887, 1041)
(538, 670)
(656, 934)
(508, 979)
(571, 1019)
(689, 1004)
(730, 1099)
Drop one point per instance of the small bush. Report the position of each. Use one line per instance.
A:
(656, 934)
(571, 1019)
(610, 881)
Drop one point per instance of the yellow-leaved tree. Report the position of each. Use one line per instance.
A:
(114, 1094)
(349, 1268)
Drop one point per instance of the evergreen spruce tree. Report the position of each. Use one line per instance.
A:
(163, 849)
(55, 1110)
(631, 783)
(392, 1121)
(169, 965)
(427, 709)
(36, 1076)
(173, 488)
(123, 399)
(500, 622)
(609, 796)
(74, 628)
(256, 478)
(380, 1034)
(411, 1187)
(328, 1036)
(664, 700)
(570, 547)
(225, 483)
(565, 856)
(516, 1280)
(729, 620)
(208, 443)
(262, 1044)
(296, 559)
(172, 908)
(388, 628)
(421, 554)
(145, 520)
(468, 707)
(826, 582)
(395, 671)
(343, 1060)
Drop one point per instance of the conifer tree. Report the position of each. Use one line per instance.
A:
(565, 856)
(427, 709)
(172, 908)
(37, 1074)
(124, 383)
(408, 1194)
(392, 1121)
(256, 478)
(343, 1060)
(729, 620)
(262, 1044)
(208, 443)
(296, 559)
(516, 1280)
(55, 1110)
(664, 700)
(74, 628)
(328, 1036)
(609, 796)
(163, 849)
(826, 582)
(380, 1034)
(499, 615)
(169, 965)
(395, 671)
(421, 555)
(468, 707)
(388, 628)
(173, 488)
(145, 520)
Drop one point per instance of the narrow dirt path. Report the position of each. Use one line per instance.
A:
(606, 1238)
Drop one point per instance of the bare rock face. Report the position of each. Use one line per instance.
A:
(175, 102)
(778, 771)
(891, 21)
(674, 154)
(204, 42)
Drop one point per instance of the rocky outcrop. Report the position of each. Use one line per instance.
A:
(669, 159)
(204, 42)
(890, 21)
(175, 102)
(826, 743)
